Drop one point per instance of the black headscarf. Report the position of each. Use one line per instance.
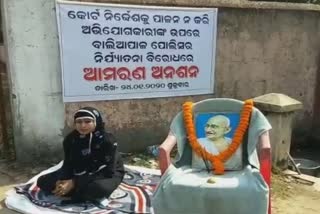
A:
(92, 113)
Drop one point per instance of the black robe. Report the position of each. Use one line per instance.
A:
(94, 164)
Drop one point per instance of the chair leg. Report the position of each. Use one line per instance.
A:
(269, 208)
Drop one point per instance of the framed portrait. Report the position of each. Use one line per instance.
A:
(214, 132)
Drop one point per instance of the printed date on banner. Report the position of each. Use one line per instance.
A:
(148, 86)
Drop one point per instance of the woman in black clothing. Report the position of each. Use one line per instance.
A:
(92, 167)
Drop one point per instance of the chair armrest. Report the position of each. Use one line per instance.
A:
(264, 152)
(265, 157)
(164, 152)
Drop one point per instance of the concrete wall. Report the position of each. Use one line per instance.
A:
(7, 150)
(315, 135)
(260, 50)
(2, 119)
(32, 41)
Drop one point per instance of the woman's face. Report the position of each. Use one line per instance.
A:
(85, 125)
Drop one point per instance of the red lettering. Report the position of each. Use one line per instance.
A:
(193, 71)
(169, 71)
(109, 73)
(157, 72)
(90, 74)
(182, 71)
(124, 73)
(139, 73)
(113, 73)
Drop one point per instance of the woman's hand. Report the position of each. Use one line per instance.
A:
(63, 187)
(57, 189)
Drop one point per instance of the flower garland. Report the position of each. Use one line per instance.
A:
(217, 160)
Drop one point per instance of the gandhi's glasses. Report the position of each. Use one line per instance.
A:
(214, 126)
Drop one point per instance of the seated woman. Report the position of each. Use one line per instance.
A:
(92, 167)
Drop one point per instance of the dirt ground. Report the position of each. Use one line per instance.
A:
(288, 195)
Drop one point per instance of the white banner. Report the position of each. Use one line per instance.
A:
(111, 52)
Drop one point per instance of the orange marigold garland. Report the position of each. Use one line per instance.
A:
(217, 160)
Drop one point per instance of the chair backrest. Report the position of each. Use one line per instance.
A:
(258, 125)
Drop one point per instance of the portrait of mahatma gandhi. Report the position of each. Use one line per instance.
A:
(216, 140)
(216, 129)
